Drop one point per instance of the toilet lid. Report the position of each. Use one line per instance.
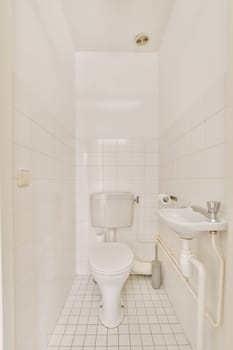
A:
(110, 258)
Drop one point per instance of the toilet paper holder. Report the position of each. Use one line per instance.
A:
(173, 198)
(167, 198)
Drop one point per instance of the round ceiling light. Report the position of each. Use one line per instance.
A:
(141, 39)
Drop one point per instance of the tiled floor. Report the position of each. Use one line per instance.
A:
(149, 323)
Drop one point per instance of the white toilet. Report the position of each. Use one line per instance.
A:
(111, 262)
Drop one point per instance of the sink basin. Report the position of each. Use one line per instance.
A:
(187, 223)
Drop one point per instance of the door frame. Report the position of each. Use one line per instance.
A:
(228, 310)
(7, 295)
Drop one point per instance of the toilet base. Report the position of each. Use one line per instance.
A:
(116, 322)
(110, 265)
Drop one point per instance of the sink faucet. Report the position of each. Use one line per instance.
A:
(211, 212)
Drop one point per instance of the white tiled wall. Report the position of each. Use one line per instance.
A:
(192, 150)
(192, 141)
(44, 143)
(116, 165)
(117, 130)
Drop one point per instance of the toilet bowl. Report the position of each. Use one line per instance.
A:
(110, 264)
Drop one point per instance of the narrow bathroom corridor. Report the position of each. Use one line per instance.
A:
(149, 323)
(116, 172)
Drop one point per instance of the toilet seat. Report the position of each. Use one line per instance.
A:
(110, 258)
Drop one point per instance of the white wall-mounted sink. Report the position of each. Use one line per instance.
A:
(187, 223)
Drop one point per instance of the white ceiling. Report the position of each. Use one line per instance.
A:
(111, 25)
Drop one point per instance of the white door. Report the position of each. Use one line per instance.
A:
(6, 212)
(1, 296)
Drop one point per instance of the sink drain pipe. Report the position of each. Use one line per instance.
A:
(187, 261)
(215, 323)
(200, 301)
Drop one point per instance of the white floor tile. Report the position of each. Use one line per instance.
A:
(166, 328)
(153, 319)
(143, 319)
(150, 322)
(101, 340)
(112, 340)
(93, 320)
(90, 340)
(101, 330)
(78, 340)
(63, 319)
(124, 339)
(113, 330)
(60, 329)
(134, 329)
(123, 329)
(81, 329)
(135, 340)
(176, 328)
(67, 340)
(145, 329)
(91, 329)
(147, 339)
(181, 339)
(169, 339)
(133, 319)
(155, 329)
(73, 320)
(70, 329)
(158, 339)
(55, 340)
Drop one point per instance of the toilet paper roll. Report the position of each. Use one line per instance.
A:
(164, 199)
(100, 237)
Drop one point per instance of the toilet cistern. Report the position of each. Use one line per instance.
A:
(111, 211)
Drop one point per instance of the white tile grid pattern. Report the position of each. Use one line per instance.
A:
(192, 162)
(149, 322)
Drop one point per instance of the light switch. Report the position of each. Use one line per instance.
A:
(23, 177)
